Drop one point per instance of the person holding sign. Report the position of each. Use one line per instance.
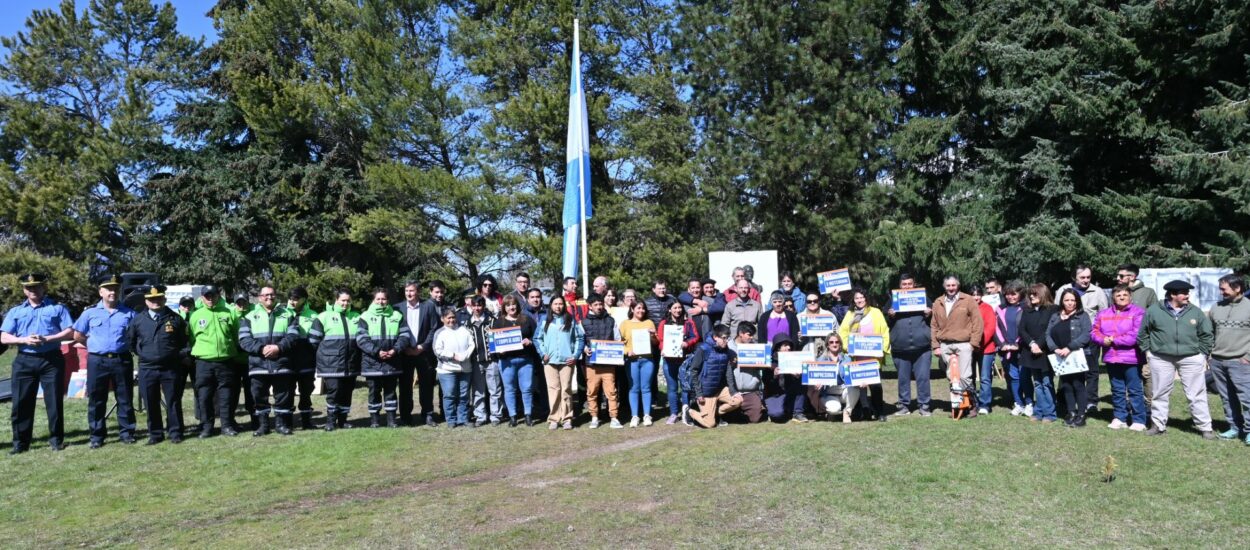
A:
(638, 332)
(717, 394)
(560, 342)
(749, 381)
(453, 347)
(678, 338)
(1068, 333)
(785, 395)
(910, 338)
(598, 325)
(516, 367)
(956, 334)
(1034, 349)
(838, 398)
(865, 331)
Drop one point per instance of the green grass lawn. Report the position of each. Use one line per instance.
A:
(993, 481)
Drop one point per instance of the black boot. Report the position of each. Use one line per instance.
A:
(342, 420)
(330, 419)
(256, 419)
(284, 424)
(206, 430)
(529, 421)
(305, 420)
(390, 420)
(373, 420)
(1079, 421)
(512, 422)
(262, 425)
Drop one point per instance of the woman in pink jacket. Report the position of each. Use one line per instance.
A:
(1115, 329)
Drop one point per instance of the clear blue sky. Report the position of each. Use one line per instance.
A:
(192, 20)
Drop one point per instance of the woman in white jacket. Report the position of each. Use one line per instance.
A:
(453, 346)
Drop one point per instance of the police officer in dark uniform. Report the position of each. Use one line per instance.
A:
(102, 328)
(158, 336)
(37, 327)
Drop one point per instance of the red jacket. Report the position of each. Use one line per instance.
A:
(688, 329)
(577, 308)
(989, 318)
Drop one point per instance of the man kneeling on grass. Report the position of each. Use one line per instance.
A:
(715, 362)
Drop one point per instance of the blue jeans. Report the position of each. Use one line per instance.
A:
(1044, 396)
(1126, 379)
(1019, 380)
(672, 373)
(641, 369)
(918, 364)
(986, 394)
(517, 371)
(455, 387)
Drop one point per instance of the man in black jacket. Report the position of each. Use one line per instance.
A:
(158, 337)
(659, 301)
(422, 321)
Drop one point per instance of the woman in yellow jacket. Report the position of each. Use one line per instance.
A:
(864, 319)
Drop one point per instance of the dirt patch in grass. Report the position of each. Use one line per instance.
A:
(515, 474)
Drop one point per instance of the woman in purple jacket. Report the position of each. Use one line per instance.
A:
(1115, 329)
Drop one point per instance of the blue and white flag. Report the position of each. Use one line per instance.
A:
(577, 165)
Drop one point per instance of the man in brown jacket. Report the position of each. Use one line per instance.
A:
(957, 332)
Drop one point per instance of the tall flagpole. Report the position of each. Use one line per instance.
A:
(581, 165)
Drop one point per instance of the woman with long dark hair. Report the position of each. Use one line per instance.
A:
(560, 341)
(1068, 332)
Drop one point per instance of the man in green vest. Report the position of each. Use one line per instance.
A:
(338, 359)
(268, 335)
(303, 365)
(214, 329)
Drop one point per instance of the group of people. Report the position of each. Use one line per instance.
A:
(273, 352)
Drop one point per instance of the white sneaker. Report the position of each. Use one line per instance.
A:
(1028, 410)
(616, 424)
(594, 423)
(1137, 427)
(646, 420)
(685, 415)
(633, 422)
(1117, 425)
(983, 410)
(1017, 410)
